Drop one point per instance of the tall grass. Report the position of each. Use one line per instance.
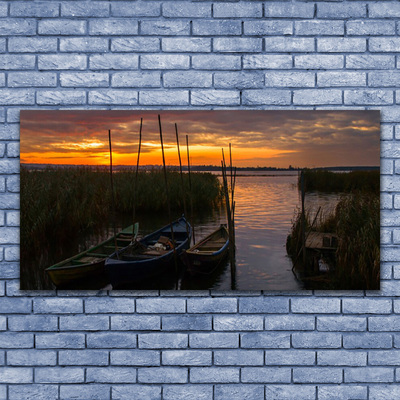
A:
(327, 181)
(57, 205)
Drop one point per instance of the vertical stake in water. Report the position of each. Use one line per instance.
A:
(190, 189)
(303, 220)
(136, 180)
(182, 183)
(168, 202)
(112, 196)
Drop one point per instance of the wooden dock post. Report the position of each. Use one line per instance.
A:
(136, 180)
(303, 221)
(190, 189)
(112, 196)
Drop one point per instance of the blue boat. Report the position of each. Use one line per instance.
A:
(149, 256)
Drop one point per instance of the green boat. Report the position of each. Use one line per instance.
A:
(89, 263)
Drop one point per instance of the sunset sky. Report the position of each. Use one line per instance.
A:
(259, 138)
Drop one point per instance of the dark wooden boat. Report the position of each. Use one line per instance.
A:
(150, 255)
(88, 263)
(205, 257)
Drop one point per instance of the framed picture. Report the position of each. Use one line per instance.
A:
(194, 200)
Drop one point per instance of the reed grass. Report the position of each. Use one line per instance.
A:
(58, 204)
(327, 181)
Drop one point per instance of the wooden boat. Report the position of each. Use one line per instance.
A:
(149, 256)
(206, 256)
(90, 262)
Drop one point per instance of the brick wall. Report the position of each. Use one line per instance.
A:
(197, 55)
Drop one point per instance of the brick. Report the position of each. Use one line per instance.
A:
(12, 151)
(237, 45)
(113, 61)
(267, 375)
(369, 375)
(32, 45)
(289, 45)
(37, 9)
(242, 323)
(367, 341)
(342, 358)
(289, 323)
(319, 340)
(217, 27)
(325, 306)
(384, 357)
(262, 96)
(186, 357)
(83, 79)
(179, 392)
(194, 45)
(32, 79)
(368, 97)
(87, 45)
(179, 9)
(111, 340)
(238, 357)
(387, 323)
(57, 306)
(32, 391)
(366, 306)
(342, 392)
(367, 28)
(263, 305)
(109, 306)
(163, 375)
(187, 323)
(264, 61)
(348, 10)
(113, 27)
(317, 375)
(341, 323)
(15, 306)
(32, 323)
(136, 392)
(19, 26)
(289, 79)
(14, 61)
(319, 61)
(135, 44)
(61, 27)
(384, 79)
(212, 305)
(370, 61)
(214, 340)
(260, 340)
(92, 9)
(31, 357)
(59, 97)
(235, 392)
(62, 61)
(218, 97)
(109, 96)
(215, 62)
(214, 375)
(289, 357)
(342, 78)
(381, 45)
(382, 10)
(9, 270)
(16, 340)
(261, 28)
(60, 375)
(3, 9)
(135, 9)
(179, 97)
(111, 375)
(135, 357)
(163, 340)
(341, 45)
(318, 27)
(239, 10)
(288, 10)
(286, 392)
(16, 375)
(93, 391)
(186, 79)
(239, 80)
(83, 357)
(135, 322)
(164, 61)
(8, 201)
(84, 322)
(165, 28)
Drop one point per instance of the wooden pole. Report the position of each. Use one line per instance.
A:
(303, 220)
(112, 195)
(190, 189)
(136, 179)
(168, 200)
(182, 183)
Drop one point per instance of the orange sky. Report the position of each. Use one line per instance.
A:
(259, 138)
